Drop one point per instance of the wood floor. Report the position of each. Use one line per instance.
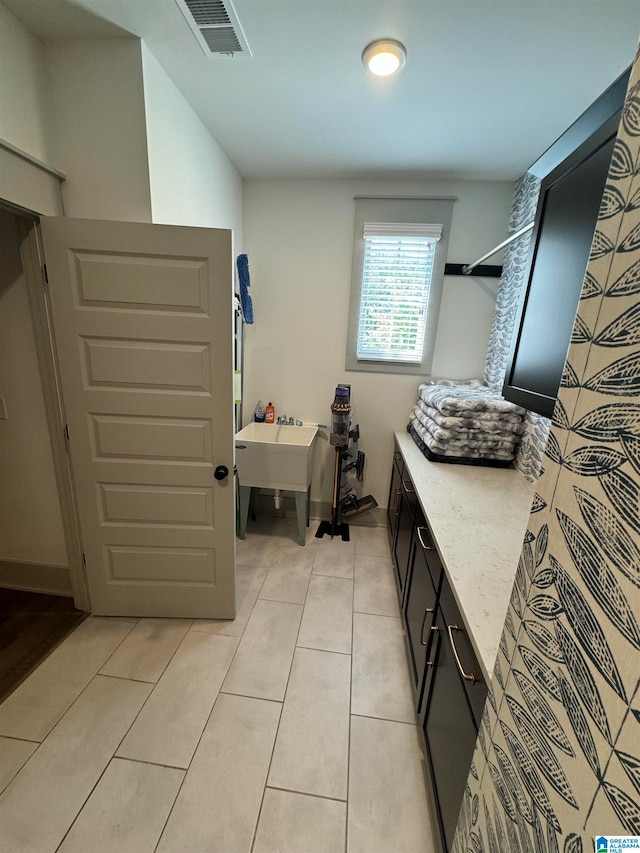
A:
(31, 626)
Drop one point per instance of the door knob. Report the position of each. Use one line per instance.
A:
(221, 472)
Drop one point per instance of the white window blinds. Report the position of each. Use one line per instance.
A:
(396, 283)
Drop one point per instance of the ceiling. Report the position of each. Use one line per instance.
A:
(488, 85)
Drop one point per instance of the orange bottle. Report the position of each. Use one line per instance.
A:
(270, 414)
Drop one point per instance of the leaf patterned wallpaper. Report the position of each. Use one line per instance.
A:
(557, 760)
(531, 447)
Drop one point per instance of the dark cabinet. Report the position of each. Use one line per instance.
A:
(423, 586)
(448, 687)
(452, 712)
(404, 533)
(402, 505)
(395, 491)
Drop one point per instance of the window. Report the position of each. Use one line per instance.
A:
(397, 278)
(394, 296)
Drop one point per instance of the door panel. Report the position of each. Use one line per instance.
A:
(153, 566)
(159, 439)
(154, 365)
(143, 320)
(142, 283)
(177, 505)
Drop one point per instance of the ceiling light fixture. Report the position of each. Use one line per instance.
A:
(384, 57)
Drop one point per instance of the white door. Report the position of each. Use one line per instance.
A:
(142, 319)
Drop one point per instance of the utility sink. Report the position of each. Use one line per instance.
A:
(275, 456)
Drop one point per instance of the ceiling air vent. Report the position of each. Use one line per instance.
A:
(215, 26)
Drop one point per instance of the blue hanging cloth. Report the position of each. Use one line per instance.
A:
(242, 264)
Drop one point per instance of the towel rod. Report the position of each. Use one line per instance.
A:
(467, 268)
(482, 270)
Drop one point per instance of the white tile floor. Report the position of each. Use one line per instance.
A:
(289, 729)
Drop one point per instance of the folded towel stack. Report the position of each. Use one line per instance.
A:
(466, 422)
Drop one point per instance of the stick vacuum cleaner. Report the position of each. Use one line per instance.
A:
(341, 434)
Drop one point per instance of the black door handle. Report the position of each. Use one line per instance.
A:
(221, 472)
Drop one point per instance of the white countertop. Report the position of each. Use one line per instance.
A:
(478, 517)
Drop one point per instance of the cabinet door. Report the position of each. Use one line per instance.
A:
(450, 714)
(457, 639)
(450, 736)
(402, 547)
(419, 616)
(425, 541)
(408, 492)
(395, 492)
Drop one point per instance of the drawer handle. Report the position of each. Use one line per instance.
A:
(424, 547)
(424, 619)
(467, 676)
(434, 629)
(407, 489)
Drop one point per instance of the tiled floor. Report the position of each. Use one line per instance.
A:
(289, 729)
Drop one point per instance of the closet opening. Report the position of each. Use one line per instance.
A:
(42, 595)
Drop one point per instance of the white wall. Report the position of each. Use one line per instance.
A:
(193, 182)
(105, 113)
(23, 124)
(299, 238)
(134, 161)
(31, 528)
(98, 129)
(22, 88)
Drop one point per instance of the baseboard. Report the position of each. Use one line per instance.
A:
(36, 577)
(318, 510)
(376, 517)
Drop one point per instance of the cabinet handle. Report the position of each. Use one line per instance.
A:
(398, 493)
(406, 488)
(434, 629)
(424, 619)
(424, 547)
(467, 676)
